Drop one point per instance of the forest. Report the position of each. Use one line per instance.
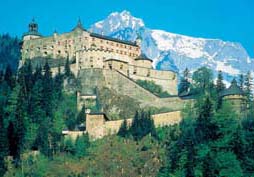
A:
(212, 139)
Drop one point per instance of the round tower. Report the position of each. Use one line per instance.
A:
(32, 31)
(235, 97)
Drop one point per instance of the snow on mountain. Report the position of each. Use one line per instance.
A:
(171, 51)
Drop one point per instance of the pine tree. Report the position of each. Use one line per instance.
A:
(81, 145)
(123, 131)
(37, 113)
(3, 143)
(135, 129)
(184, 83)
(67, 69)
(37, 74)
(81, 118)
(220, 86)
(248, 87)
(47, 91)
(241, 81)
(8, 76)
(208, 166)
(58, 85)
(204, 126)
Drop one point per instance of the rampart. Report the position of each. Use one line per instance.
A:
(98, 126)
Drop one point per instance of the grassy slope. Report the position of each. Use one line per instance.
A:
(110, 156)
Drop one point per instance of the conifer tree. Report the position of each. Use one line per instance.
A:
(219, 83)
(220, 86)
(248, 87)
(8, 76)
(47, 91)
(67, 69)
(123, 131)
(58, 84)
(81, 145)
(81, 118)
(3, 143)
(37, 74)
(241, 81)
(204, 126)
(184, 83)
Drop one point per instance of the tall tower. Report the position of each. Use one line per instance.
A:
(32, 31)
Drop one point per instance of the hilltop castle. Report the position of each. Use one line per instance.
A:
(87, 50)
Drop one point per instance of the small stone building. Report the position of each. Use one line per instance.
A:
(235, 96)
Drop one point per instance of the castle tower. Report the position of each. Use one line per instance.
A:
(79, 26)
(235, 97)
(32, 31)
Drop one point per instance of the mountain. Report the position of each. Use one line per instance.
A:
(171, 51)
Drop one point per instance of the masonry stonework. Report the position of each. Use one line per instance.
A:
(98, 126)
(89, 50)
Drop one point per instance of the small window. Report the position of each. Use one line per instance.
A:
(59, 51)
(91, 66)
(148, 73)
(121, 66)
(135, 71)
(45, 53)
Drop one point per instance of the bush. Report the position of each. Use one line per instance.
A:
(152, 87)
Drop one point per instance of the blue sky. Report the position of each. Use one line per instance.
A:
(230, 20)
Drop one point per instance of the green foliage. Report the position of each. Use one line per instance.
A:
(141, 126)
(152, 87)
(67, 69)
(184, 85)
(248, 86)
(69, 146)
(228, 165)
(117, 106)
(81, 145)
(203, 80)
(3, 143)
(81, 117)
(123, 131)
(9, 51)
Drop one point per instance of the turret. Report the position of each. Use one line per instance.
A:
(235, 97)
(32, 31)
(79, 26)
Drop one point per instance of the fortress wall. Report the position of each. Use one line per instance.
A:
(166, 79)
(169, 118)
(104, 128)
(123, 85)
(112, 127)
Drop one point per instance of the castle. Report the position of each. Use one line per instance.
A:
(87, 50)
(101, 61)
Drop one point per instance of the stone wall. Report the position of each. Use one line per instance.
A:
(122, 85)
(100, 127)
